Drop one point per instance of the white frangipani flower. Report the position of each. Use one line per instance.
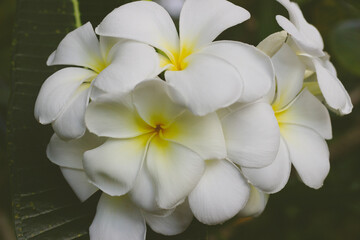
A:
(304, 125)
(109, 65)
(206, 75)
(307, 42)
(116, 217)
(155, 146)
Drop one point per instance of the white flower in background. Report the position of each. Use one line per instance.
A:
(308, 44)
(206, 75)
(304, 125)
(173, 6)
(155, 147)
(109, 65)
(116, 217)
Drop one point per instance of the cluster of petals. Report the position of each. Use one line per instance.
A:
(193, 63)
(108, 65)
(304, 124)
(308, 44)
(211, 140)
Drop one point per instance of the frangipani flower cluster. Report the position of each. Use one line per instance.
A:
(174, 126)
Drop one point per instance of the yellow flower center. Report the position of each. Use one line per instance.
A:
(177, 61)
(100, 65)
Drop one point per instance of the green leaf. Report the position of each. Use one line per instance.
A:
(43, 205)
(345, 43)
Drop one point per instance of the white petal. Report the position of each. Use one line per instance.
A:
(272, 178)
(114, 116)
(255, 205)
(308, 152)
(308, 111)
(203, 135)
(57, 90)
(130, 63)
(175, 223)
(290, 73)
(328, 65)
(307, 37)
(70, 153)
(79, 47)
(175, 169)
(207, 84)
(252, 135)
(79, 183)
(143, 193)
(106, 44)
(70, 123)
(254, 66)
(96, 93)
(144, 21)
(220, 194)
(117, 218)
(273, 43)
(332, 89)
(114, 166)
(173, 7)
(201, 21)
(153, 103)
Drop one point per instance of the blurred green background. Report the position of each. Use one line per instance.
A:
(297, 212)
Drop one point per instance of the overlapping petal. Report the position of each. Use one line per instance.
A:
(203, 135)
(196, 19)
(272, 178)
(172, 224)
(79, 47)
(308, 111)
(117, 218)
(153, 103)
(252, 135)
(308, 152)
(130, 62)
(332, 89)
(79, 183)
(57, 90)
(207, 84)
(254, 66)
(273, 43)
(143, 193)
(175, 170)
(106, 44)
(115, 116)
(220, 194)
(74, 113)
(114, 166)
(69, 154)
(305, 35)
(256, 203)
(289, 72)
(144, 21)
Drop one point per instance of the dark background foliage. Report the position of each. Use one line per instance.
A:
(297, 212)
